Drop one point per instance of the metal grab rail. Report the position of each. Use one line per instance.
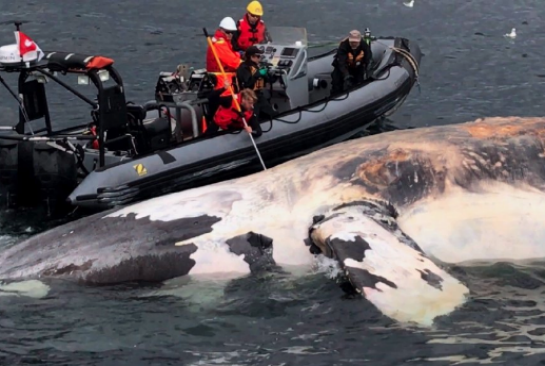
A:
(194, 123)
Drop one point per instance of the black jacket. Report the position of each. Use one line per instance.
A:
(245, 77)
(341, 58)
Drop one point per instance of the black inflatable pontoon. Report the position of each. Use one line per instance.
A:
(159, 147)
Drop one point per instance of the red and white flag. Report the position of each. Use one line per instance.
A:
(28, 49)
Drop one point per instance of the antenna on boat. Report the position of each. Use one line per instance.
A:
(16, 22)
(19, 101)
(3, 82)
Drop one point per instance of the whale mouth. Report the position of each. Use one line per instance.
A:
(385, 265)
(381, 212)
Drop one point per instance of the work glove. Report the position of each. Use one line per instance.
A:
(348, 82)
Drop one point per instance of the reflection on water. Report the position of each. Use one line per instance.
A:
(505, 319)
(273, 319)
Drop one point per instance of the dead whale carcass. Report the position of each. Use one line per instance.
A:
(389, 208)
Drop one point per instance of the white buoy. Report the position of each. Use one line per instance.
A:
(9, 55)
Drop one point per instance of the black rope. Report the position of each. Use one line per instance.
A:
(271, 126)
(290, 122)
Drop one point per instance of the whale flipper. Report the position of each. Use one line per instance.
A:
(385, 265)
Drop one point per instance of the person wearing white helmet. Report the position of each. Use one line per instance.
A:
(251, 28)
(229, 58)
(230, 61)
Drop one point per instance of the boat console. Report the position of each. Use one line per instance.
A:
(282, 57)
(286, 57)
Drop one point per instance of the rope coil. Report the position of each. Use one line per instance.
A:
(410, 58)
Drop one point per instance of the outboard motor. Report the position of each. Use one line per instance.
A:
(180, 85)
(46, 173)
(9, 153)
(33, 171)
(196, 78)
(168, 84)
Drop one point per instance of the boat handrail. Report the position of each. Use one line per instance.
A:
(191, 110)
(301, 70)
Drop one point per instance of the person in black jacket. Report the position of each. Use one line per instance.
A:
(350, 63)
(251, 76)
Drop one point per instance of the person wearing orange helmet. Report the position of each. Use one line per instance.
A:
(251, 28)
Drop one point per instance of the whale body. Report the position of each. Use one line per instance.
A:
(394, 210)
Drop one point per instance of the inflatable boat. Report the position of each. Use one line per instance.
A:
(129, 152)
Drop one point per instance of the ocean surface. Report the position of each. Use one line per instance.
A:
(469, 70)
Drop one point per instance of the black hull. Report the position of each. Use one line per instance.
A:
(230, 165)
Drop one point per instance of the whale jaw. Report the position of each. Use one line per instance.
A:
(386, 266)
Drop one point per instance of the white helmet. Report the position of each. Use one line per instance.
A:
(229, 24)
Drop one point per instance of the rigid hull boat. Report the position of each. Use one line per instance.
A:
(130, 152)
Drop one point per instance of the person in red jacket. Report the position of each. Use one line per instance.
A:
(229, 58)
(228, 117)
(251, 28)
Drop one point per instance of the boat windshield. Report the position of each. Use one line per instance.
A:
(288, 35)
